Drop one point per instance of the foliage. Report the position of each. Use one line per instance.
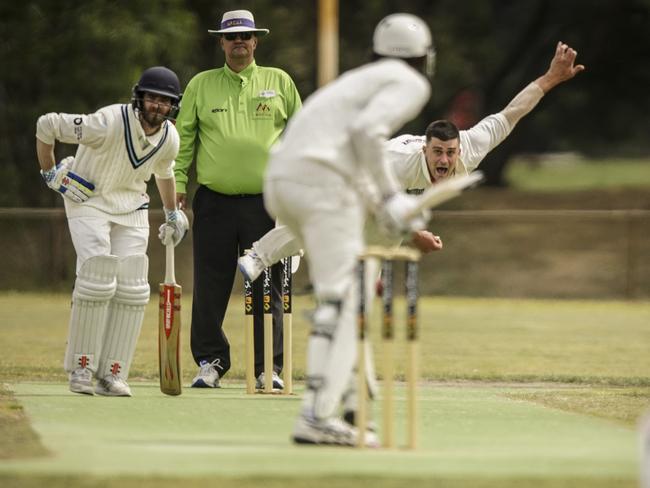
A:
(75, 57)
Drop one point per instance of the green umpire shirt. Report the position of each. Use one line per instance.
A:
(230, 120)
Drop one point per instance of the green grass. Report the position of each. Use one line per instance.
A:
(472, 339)
(489, 363)
(465, 433)
(18, 438)
(624, 405)
(313, 482)
(567, 172)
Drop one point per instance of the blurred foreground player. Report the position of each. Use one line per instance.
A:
(313, 186)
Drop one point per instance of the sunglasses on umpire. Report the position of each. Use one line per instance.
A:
(244, 36)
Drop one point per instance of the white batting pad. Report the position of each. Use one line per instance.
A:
(126, 312)
(331, 360)
(94, 287)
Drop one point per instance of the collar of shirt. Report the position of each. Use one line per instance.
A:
(244, 76)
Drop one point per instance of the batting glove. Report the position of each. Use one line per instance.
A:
(175, 227)
(69, 184)
(399, 215)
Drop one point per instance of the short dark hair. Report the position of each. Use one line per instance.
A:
(444, 130)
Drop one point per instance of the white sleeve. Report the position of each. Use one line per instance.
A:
(164, 167)
(478, 141)
(89, 130)
(395, 104)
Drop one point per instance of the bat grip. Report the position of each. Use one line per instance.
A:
(170, 278)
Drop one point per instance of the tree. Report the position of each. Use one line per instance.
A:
(70, 56)
(77, 56)
(601, 113)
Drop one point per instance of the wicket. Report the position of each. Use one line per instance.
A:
(387, 257)
(287, 328)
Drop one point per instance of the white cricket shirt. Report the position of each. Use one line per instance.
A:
(116, 156)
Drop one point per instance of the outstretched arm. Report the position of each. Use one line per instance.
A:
(561, 69)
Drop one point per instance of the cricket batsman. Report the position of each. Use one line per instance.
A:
(104, 192)
(312, 186)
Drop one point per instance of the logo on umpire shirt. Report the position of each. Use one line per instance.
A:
(263, 110)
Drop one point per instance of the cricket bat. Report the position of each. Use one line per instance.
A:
(169, 328)
(441, 192)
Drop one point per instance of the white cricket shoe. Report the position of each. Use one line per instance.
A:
(250, 265)
(208, 376)
(112, 385)
(332, 431)
(278, 384)
(81, 381)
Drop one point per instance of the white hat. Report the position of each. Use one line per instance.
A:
(238, 21)
(402, 36)
(405, 36)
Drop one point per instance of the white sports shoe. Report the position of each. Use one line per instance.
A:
(112, 385)
(278, 384)
(332, 431)
(250, 265)
(81, 381)
(208, 376)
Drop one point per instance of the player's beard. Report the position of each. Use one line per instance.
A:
(152, 119)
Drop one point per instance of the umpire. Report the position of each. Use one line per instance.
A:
(229, 119)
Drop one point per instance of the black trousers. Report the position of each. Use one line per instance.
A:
(224, 226)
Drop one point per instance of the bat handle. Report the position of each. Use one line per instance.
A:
(170, 277)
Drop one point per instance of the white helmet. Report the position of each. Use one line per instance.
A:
(404, 36)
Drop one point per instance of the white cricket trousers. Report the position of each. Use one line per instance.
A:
(327, 217)
(96, 236)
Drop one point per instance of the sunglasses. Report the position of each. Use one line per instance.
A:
(244, 36)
